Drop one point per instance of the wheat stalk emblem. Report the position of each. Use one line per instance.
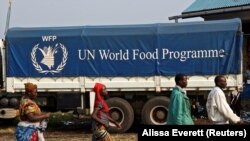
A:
(59, 67)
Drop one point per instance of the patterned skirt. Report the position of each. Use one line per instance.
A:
(101, 134)
(26, 131)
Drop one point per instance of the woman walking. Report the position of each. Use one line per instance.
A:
(101, 116)
(28, 129)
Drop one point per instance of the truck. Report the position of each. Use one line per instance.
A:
(137, 63)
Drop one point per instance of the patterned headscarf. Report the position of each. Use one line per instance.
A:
(30, 87)
(97, 89)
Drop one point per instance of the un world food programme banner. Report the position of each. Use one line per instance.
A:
(138, 55)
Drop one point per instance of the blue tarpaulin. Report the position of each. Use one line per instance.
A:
(204, 48)
(245, 94)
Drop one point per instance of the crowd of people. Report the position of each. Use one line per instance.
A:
(181, 111)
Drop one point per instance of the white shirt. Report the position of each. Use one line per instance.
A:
(218, 110)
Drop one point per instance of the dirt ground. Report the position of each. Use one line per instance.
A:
(69, 136)
(62, 127)
(73, 133)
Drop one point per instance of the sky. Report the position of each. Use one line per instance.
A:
(47, 13)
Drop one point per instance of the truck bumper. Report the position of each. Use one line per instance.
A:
(8, 113)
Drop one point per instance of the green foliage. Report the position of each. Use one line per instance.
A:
(58, 118)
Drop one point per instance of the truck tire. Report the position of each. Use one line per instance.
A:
(155, 111)
(122, 112)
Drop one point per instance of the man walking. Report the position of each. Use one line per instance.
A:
(218, 110)
(179, 112)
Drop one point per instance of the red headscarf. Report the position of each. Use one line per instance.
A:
(98, 99)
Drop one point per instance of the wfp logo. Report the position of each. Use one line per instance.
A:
(48, 58)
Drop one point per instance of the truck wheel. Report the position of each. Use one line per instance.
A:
(122, 112)
(155, 111)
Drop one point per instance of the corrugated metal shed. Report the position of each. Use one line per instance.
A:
(201, 5)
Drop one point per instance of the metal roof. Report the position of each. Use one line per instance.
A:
(201, 5)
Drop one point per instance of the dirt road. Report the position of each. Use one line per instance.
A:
(62, 127)
(8, 135)
(77, 132)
